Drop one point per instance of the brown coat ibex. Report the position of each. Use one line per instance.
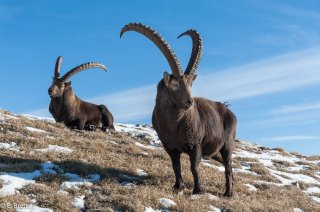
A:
(186, 124)
(66, 107)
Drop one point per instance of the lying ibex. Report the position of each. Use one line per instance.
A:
(186, 124)
(66, 107)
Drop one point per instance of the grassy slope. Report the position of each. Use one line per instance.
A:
(115, 157)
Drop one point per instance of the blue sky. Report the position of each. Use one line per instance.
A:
(263, 57)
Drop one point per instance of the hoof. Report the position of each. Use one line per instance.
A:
(197, 191)
(228, 194)
(180, 187)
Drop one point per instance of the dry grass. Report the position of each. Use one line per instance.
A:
(313, 157)
(8, 203)
(282, 151)
(118, 162)
(282, 163)
(259, 169)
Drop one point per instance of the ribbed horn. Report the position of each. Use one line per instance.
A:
(57, 68)
(82, 67)
(196, 51)
(157, 39)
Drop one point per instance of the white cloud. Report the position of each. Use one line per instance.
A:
(268, 76)
(129, 105)
(300, 13)
(297, 108)
(295, 138)
(303, 118)
(277, 74)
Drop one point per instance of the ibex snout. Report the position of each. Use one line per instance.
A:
(50, 92)
(188, 103)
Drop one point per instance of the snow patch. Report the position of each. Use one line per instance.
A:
(32, 208)
(219, 168)
(316, 199)
(251, 187)
(141, 173)
(75, 181)
(296, 168)
(31, 129)
(12, 146)
(31, 117)
(214, 209)
(292, 177)
(78, 202)
(139, 131)
(55, 148)
(149, 209)
(313, 190)
(209, 196)
(6, 117)
(13, 181)
(144, 146)
(265, 157)
(167, 203)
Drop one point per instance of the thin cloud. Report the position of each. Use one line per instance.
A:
(304, 118)
(273, 75)
(297, 108)
(268, 76)
(300, 13)
(129, 105)
(295, 138)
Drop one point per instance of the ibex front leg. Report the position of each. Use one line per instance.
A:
(176, 165)
(81, 124)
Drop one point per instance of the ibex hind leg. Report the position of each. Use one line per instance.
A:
(226, 153)
(217, 157)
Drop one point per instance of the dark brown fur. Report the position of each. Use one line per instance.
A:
(196, 126)
(66, 107)
(206, 128)
(75, 113)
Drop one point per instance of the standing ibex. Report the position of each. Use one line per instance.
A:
(186, 124)
(66, 107)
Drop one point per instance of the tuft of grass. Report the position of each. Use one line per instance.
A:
(8, 203)
(51, 180)
(282, 163)
(259, 169)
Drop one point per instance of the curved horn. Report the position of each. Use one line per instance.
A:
(82, 67)
(196, 50)
(57, 68)
(157, 39)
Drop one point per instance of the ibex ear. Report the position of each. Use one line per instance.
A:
(68, 83)
(166, 78)
(194, 77)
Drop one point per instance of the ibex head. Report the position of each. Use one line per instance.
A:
(59, 85)
(177, 85)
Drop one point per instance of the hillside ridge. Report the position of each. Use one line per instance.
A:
(45, 166)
